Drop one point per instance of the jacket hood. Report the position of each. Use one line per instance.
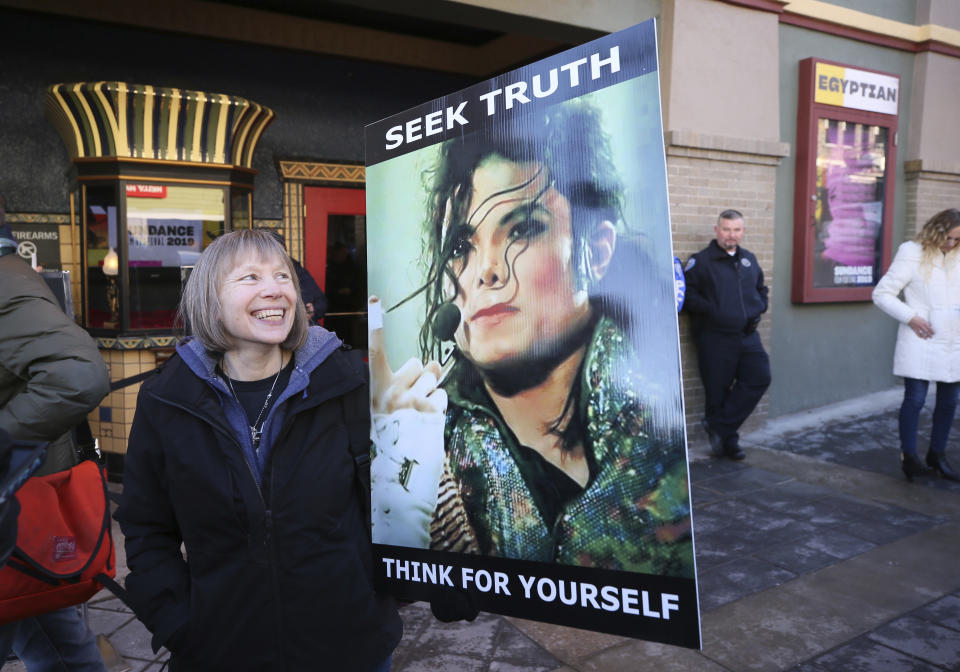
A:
(320, 343)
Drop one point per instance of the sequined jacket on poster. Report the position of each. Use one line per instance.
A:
(634, 513)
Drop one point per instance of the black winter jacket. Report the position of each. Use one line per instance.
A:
(276, 577)
(724, 292)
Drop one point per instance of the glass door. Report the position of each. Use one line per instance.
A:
(335, 254)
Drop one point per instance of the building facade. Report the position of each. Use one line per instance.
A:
(745, 127)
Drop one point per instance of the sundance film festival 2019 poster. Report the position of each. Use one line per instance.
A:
(529, 441)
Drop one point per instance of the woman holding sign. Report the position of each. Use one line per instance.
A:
(551, 453)
(241, 449)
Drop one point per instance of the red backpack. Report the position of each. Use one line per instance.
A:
(63, 543)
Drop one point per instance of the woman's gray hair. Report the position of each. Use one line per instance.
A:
(200, 310)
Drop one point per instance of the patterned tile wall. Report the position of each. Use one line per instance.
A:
(111, 421)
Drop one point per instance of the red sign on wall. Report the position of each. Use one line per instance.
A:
(146, 190)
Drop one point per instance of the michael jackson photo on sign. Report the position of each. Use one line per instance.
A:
(528, 429)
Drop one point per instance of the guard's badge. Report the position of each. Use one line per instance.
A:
(690, 264)
(745, 262)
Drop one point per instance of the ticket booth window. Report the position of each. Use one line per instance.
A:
(168, 227)
(102, 266)
(141, 239)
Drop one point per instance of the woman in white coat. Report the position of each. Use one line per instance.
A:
(927, 271)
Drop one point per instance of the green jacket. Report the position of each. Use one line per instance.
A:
(634, 513)
(51, 373)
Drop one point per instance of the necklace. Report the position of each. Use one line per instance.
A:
(256, 429)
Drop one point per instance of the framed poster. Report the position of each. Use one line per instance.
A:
(846, 148)
(529, 435)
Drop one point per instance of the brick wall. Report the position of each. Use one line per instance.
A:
(706, 175)
(930, 189)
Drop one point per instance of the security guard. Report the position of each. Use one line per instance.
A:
(726, 296)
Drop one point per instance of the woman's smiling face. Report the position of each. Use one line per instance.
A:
(513, 258)
(258, 301)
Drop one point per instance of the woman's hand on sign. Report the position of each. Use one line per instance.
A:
(414, 385)
(407, 432)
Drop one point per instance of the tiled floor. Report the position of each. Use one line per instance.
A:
(488, 643)
(755, 529)
(926, 639)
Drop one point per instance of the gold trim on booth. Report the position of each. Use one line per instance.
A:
(293, 219)
(141, 121)
(309, 171)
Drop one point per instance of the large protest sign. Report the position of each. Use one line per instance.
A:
(528, 416)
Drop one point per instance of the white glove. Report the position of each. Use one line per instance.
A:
(405, 475)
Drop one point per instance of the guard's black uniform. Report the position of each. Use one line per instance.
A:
(726, 296)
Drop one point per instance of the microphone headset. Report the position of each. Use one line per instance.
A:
(443, 323)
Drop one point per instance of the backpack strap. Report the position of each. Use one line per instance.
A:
(131, 380)
(356, 416)
(119, 591)
(87, 447)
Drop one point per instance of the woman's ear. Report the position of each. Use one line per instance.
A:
(603, 242)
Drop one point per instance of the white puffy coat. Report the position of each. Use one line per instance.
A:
(933, 293)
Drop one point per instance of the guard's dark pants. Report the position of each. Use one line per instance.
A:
(735, 370)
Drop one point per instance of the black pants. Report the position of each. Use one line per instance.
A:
(735, 370)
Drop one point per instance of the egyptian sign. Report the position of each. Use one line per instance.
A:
(528, 428)
(856, 89)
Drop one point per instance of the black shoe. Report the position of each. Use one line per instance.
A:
(940, 465)
(912, 466)
(716, 443)
(734, 451)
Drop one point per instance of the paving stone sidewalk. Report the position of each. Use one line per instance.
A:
(813, 555)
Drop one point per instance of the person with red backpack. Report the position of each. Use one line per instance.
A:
(51, 376)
